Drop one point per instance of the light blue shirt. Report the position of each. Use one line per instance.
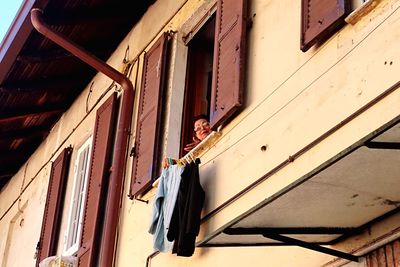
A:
(163, 206)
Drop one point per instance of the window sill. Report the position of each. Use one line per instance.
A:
(203, 146)
(71, 251)
(361, 11)
(59, 261)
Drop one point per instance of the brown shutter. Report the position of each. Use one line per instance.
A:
(148, 119)
(319, 18)
(98, 176)
(229, 60)
(54, 205)
(386, 256)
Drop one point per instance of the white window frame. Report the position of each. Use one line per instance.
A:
(78, 195)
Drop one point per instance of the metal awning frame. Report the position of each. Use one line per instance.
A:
(280, 234)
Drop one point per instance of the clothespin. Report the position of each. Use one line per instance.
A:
(186, 157)
(181, 162)
(191, 156)
(178, 162)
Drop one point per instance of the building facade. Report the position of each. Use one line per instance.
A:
(303, 167)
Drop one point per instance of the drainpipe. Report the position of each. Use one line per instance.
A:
(121, 139)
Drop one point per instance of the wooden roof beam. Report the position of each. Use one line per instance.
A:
(24, 133)
(88, 14)
(4, 176)
(39, 57)
(11, 156)
(8, 171)
(11, 162)
(58, 54)
(22, 113)
(59, 84)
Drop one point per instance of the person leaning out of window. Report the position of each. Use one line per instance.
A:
(201, 130)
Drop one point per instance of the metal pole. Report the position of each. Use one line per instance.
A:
(300, 243)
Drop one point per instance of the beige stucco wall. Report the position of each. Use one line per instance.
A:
(291, 99)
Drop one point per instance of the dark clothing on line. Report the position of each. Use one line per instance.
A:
(185, 221)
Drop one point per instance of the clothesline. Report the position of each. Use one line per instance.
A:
(198, 150)
(201, 148)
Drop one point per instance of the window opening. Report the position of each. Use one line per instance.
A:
(318, 24)
(354, 4)
(198, 79)
(81, 173)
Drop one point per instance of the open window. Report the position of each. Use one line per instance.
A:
(213, 86)
(198, 79)
(81, 173)
(216, 68)
(354, 4)
(321, 18)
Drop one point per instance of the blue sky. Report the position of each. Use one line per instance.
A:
(8, 9)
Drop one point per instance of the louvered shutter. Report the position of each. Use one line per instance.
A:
(148, 119)
(98, 180)
(54, 205)
(229, 60)
(320, 18)
(386, 256)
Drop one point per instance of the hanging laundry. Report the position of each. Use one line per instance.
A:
(163, 206)
(185, 221)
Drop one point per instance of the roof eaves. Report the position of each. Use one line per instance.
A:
(16, 36)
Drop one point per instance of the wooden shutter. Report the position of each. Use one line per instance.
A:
(319, 18)
(148, 119)
(54, 205)
(97, 183)
(229, 60)
(386, 256)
